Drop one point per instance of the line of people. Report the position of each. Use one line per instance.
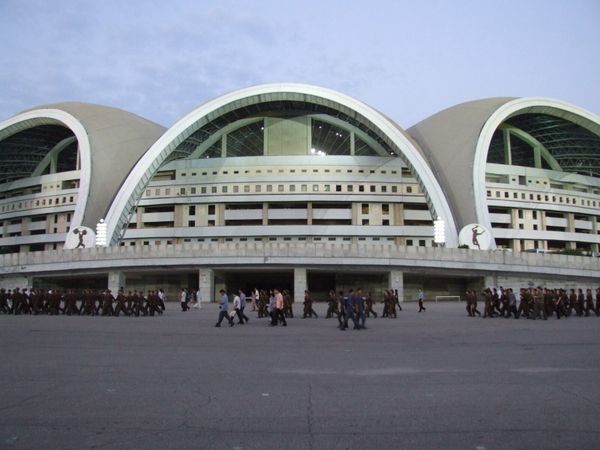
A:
(85, 302)
(534, 303)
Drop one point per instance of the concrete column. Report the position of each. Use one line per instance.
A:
(491, 281)
(300, 284)
(16, 282)
(507, 148)
(116, 280)
(206, 283)
(396, 281)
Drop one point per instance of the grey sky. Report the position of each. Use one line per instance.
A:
(409, 59)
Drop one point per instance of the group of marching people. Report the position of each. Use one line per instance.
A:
(391, 303)
(86, 302)
(534, 303)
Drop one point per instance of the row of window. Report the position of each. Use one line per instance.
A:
(541, 197)
(524, 181)
(38, 203)
(404, 171)
(283, 188)
(409, 242)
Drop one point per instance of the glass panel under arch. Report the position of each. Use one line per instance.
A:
(248, 140)
(361, 148)
(214, 151)
(21, 153)
(328, 138)
(575, 148)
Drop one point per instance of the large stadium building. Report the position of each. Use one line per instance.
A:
(301, 187)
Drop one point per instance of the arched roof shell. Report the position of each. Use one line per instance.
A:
(456, 142)
(156, 156)
(110, 142)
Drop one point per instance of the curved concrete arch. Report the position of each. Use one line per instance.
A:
(200, 149)
(37, 117)
(127, 197)
(529, 139)
(56, 150)
(511, 108)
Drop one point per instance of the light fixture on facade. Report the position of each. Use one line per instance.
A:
(101, 230)
(439, 231)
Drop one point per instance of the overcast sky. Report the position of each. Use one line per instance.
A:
(408, 59)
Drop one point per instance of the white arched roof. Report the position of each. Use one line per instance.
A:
(110, 142)
(53, 116)
(524, 105)
(132, 189)
(456, 142)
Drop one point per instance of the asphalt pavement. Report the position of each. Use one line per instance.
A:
(436, 379)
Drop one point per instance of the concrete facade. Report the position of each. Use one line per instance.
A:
(300, 187)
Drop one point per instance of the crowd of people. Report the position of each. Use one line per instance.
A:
(534, 303)
(85, 302)
(350, 307)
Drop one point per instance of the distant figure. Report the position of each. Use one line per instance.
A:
(421, 297)
(476, 233)
(183, 299)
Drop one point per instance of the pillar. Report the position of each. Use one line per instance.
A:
(206, 285)
(12, 282)
(300, 284)
(116, 280)
(396, 281)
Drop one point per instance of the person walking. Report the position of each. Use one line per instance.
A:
(224, 310)
(243, 302)
(421, 297)
(279, 307)
(183, 299)
(237, 306)
(359, 305)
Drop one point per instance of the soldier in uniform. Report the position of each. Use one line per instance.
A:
(538, 304)
(121, 304)
(261, 304)
(572, 305)
(359, 307)
(488, 305)
(129, 302)
(341, 308)
(469, 306)
(308, 308)
(559, 305)
(70, 303)
(107, 303)
(369, 306)
(397, 300)
(54, 298)
(589, 303)
(548, 302)
(4, 308)
(288, 309)
(332, 305)
(579, 306)
(16, 301)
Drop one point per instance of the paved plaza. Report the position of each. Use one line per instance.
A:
(437, 379)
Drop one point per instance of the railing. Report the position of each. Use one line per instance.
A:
(299, 253)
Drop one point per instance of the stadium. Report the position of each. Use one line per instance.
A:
(301, 187)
